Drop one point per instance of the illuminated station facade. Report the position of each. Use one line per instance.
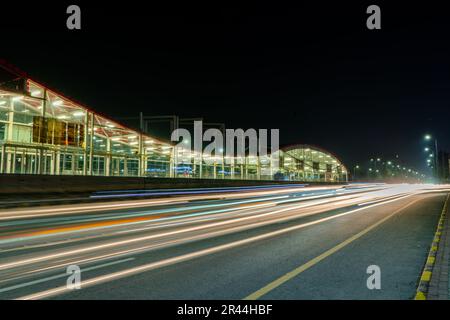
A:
(44, 132)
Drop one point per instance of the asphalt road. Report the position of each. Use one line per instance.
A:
(258, 243)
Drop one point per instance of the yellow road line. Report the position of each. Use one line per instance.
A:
(288, 276)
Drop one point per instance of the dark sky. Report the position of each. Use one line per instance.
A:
(313, 71)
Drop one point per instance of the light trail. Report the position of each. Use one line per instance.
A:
(185, 222)
(189, 256)
(40, 234)
(27, 284)
(126, 205)
(156, 236)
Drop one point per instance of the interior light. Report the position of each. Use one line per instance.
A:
(17, 98)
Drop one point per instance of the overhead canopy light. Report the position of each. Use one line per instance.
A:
(78, 114)
(17, 98)
(57, 103)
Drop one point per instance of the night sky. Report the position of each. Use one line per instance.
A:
(315, 72)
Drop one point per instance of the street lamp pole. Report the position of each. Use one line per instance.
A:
(436, 158)
(354, 171)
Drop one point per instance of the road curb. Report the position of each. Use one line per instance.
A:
(427, 273)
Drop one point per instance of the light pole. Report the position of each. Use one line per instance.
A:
(354, 171)
(428, 137)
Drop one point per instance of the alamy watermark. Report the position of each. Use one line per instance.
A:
(374, 20)
(73, 21)
(234, 148)
(374, 280)
(74, 279)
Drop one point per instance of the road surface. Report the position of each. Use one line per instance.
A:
(291, 242)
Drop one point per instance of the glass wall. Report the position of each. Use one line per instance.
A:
(306, 163)
(42, 132)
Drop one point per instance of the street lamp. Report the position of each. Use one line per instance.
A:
(428, 137)
(375, 162)
(354, 171)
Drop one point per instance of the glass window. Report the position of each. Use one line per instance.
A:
(3, 114)
(21, 134)
(132, 167)
(23, 118)
(2, 131)
(315, 166)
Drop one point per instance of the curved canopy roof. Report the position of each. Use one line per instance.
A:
(300, 151)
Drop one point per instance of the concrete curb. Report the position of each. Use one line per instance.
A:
(427, 273)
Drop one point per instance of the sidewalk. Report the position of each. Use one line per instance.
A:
(435, 278)
(439, 285)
